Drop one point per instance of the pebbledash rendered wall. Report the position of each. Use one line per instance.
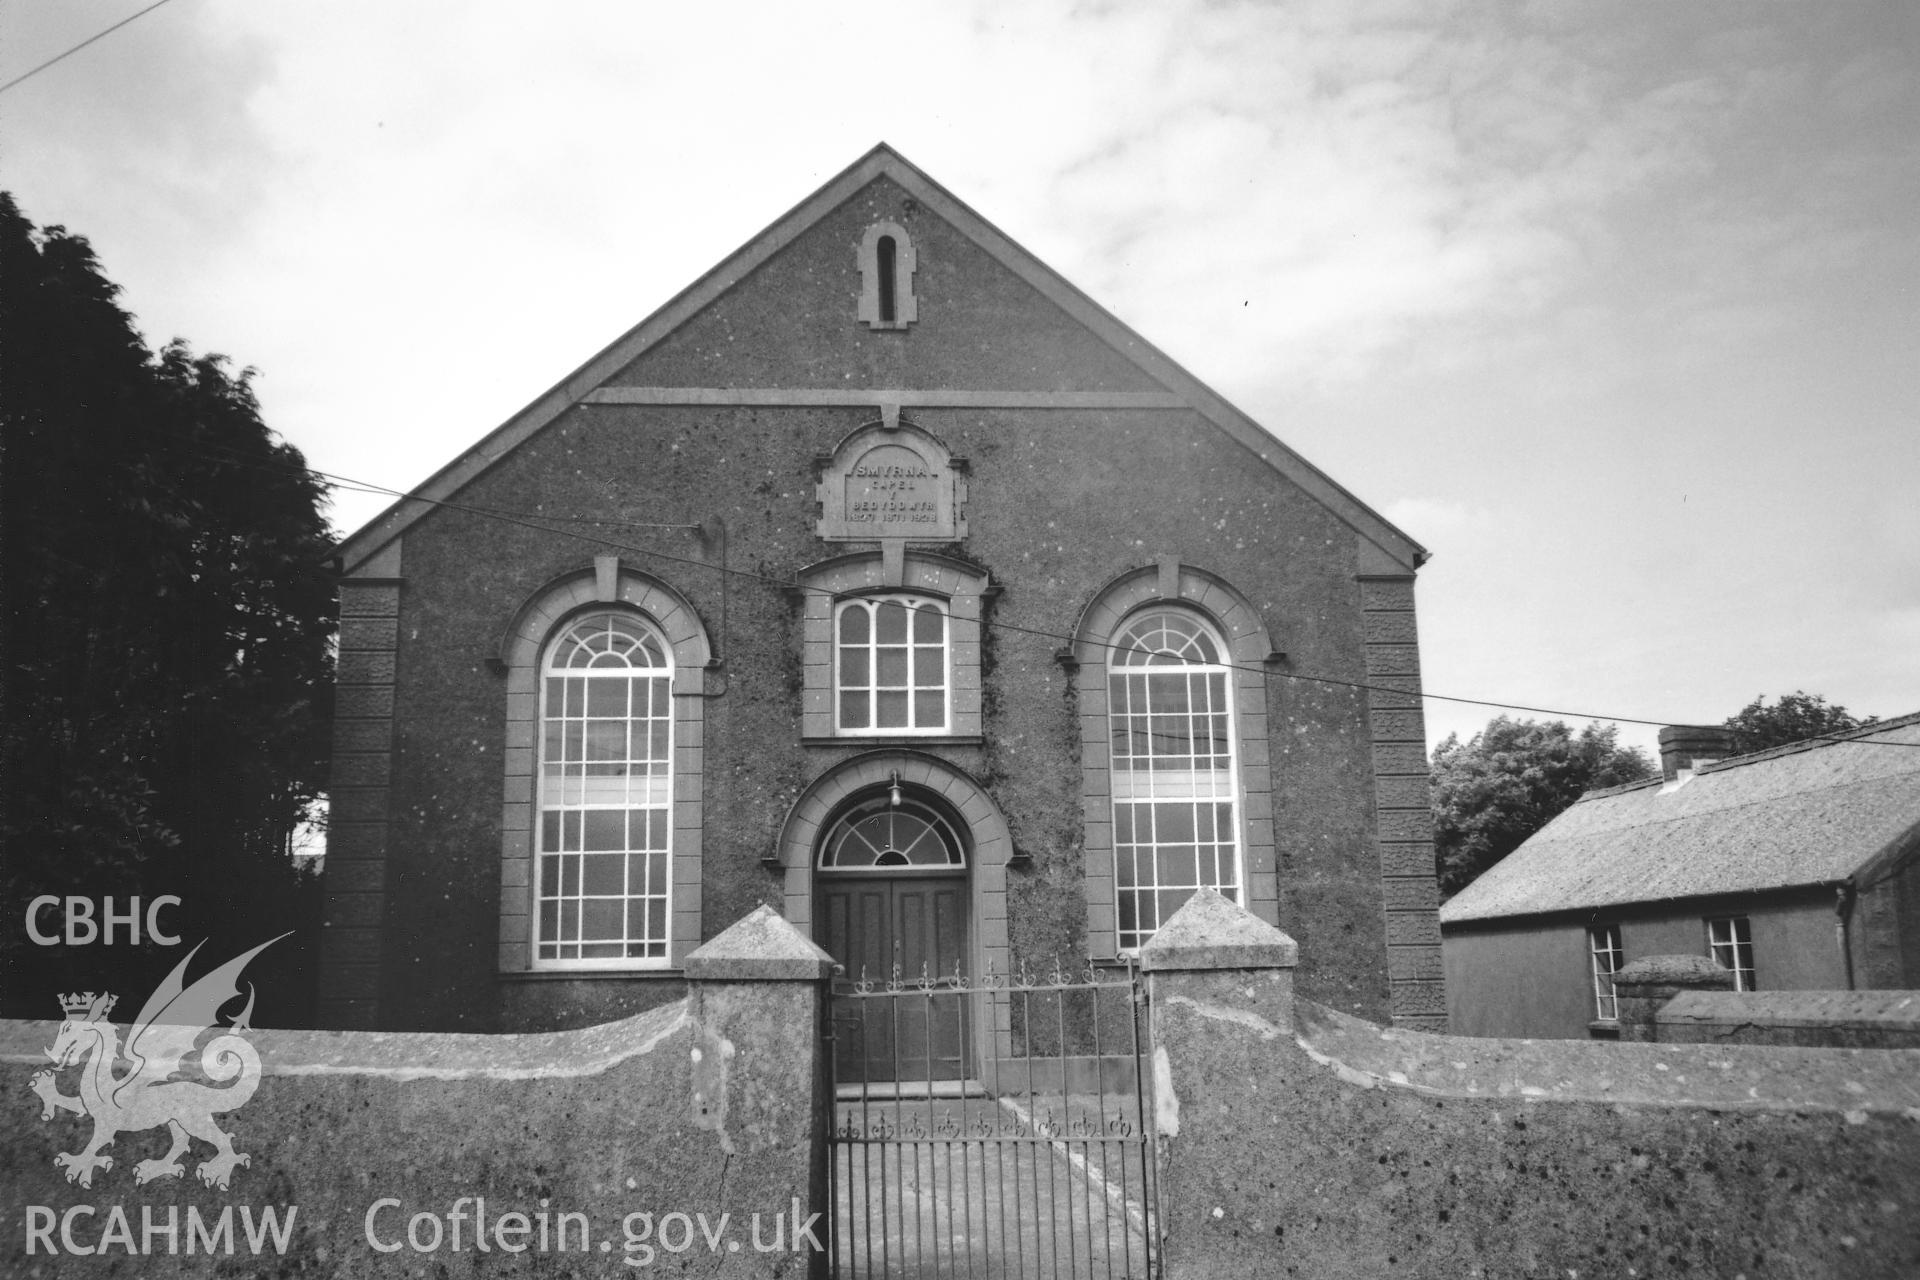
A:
(1292, 1141)
(1298, 1141)
(1809, 1019)
(1080, 470)
(383, 1154)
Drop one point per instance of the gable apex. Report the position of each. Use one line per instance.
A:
(1385, 548)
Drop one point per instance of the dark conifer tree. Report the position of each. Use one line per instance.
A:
(168, 627)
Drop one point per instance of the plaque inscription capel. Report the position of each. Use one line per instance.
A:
(892, 482)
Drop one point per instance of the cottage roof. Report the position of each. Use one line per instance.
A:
(1393, 550)
(1815, 812)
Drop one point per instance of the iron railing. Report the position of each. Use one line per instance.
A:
(991, 1128)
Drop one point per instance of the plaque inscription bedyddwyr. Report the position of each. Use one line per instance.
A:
(891, 483)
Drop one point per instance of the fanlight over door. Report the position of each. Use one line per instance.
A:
(891, 895)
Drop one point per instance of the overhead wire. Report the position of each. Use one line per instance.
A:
(529, 520)
(61, 57)
(358, 486)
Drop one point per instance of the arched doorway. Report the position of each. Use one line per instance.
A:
(891, 897)
(987, 846)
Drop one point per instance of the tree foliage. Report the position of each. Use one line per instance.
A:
(1513, 777)
(168, 617)
(1794, 717)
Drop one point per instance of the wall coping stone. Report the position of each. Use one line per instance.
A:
(1676, 971)
(1879, 1009)
(1210, 932)
(762, 946)
(1838, 1081)
(419, 1055)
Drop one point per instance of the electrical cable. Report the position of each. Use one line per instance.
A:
(77, 48)
(527, 520)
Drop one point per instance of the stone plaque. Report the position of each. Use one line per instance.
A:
(886, 483)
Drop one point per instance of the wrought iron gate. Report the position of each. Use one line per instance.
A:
(993, 1128)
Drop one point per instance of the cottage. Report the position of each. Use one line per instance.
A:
(1796, 868)
(884, 578)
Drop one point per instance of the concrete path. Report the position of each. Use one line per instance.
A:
(933, 1198)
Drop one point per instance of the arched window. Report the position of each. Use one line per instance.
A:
(891, 665)
(887, 261)
(605, 796)
(1174, 780)
(883, 253)
(881, 834)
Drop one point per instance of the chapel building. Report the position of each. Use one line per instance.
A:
(883, 577)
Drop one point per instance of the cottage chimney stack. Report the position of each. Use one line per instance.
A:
(1685, 747)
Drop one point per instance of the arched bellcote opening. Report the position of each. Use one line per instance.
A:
(887, 262)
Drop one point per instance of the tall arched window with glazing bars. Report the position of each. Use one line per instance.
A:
(1174, 779)
(605, 796)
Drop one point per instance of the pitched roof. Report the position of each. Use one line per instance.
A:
(1182, 388)
(1815, 812)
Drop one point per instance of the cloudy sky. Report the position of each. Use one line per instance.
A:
(1614, 306)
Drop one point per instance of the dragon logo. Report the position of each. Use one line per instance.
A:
(146, 1095)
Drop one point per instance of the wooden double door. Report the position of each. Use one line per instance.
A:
(905, 925)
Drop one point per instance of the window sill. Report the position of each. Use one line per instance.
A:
(1603, 1029)
(895, 740)
(575, 975)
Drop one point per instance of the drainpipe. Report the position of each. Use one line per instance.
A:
(1842, 910)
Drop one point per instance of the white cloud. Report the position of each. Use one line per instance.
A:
(1550, 271)
(1281, 195)
(1433, 518)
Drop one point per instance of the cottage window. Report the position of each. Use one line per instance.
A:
(1730, 943)
(891, 665)
(605, 796)
(1603, 941)
(1174, 780)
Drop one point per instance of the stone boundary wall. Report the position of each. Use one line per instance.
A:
(1805, 1019)
(698, 1107)
(1295, 1140)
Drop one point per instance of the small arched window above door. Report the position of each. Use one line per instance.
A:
(884, 836)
